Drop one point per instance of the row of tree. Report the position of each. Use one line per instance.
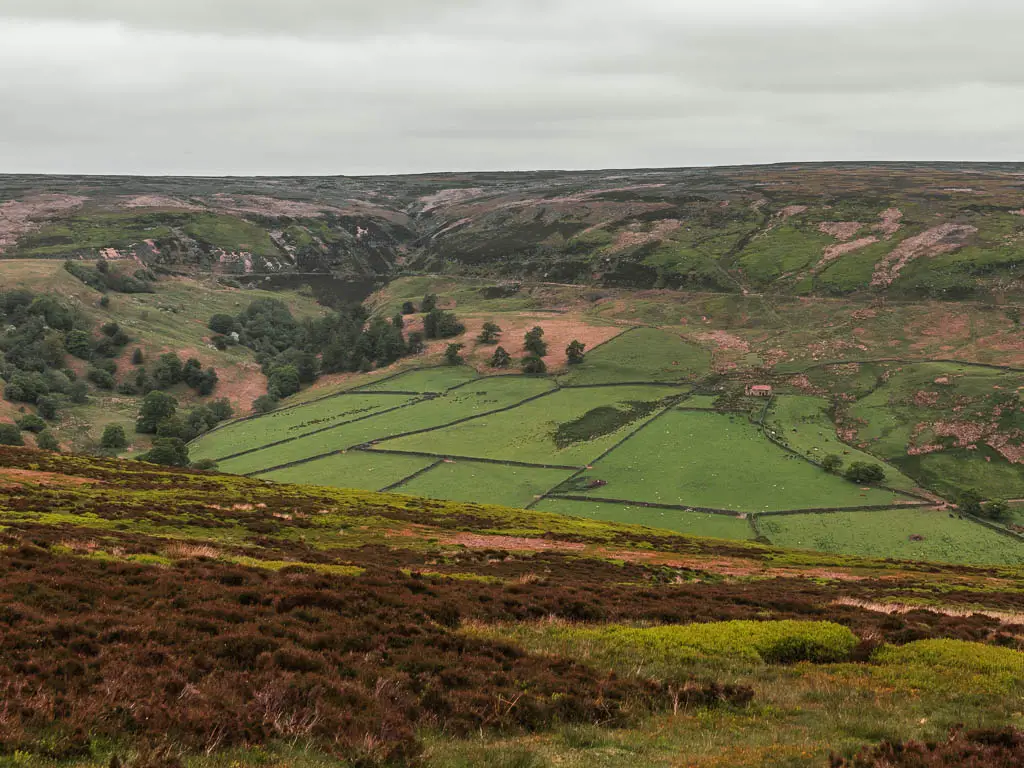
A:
(533, 343)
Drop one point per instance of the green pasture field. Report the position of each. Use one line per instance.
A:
(290, 422)
(887, 533)
(719, 462)
(483, 483)
(474, 399)
(643, 354)
(889, 417)
(689, 523)
(892, 414)
(354, 469)
(699, 401)
(782, 251)
(950, 471)
(802, 422)
(527, 433)
(438, 379)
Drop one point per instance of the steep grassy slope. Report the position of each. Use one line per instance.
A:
(902, 230)
(156, 615)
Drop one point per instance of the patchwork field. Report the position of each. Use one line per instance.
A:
(466, 402)
(481, 483)
(644, 354)
(352, 469)
(291, 423)
(689, 522)
(648, 430)
(719, 462)
(908, 534)
(531, 432)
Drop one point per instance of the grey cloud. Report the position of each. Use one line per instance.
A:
(315, 86)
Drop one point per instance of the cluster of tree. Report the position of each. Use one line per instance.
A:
(859, 472)
(535, 346)
(39, 332)
(429, 304)
(10, 434)
(159, 416)
(167, 371)
(294, 353)
(103, 278)
(972, 502)
(438, 324)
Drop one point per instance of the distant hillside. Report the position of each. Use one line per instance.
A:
(903, 230)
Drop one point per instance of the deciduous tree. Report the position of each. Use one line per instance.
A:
(534, 342)
(501, 358)
(574, 352)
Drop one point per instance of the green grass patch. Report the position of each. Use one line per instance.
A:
(474, 399)
(96, 231)
(232, 234)
(438, 379)
(690, 523)
(950, 471)
(902, 411)
(802, 423)
(952, 665)
(644, 354)
(719, 462)
(782, 251)
(527, 433)
(484, 483)
(354, 469)
(852, 271)
(290, 422)
(889, 533)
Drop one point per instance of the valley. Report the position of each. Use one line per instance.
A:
(716, 467)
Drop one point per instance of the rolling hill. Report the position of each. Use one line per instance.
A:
(158, 617)
(905, 231)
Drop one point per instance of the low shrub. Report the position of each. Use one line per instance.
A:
(1003, 748)
(935, 664)
(677, 646)
(773, 642)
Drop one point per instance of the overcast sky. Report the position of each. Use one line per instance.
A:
(394, 86)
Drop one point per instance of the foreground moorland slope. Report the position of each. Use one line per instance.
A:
(154, 615)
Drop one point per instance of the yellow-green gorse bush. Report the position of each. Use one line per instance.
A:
(952, 664)
(750, 641)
